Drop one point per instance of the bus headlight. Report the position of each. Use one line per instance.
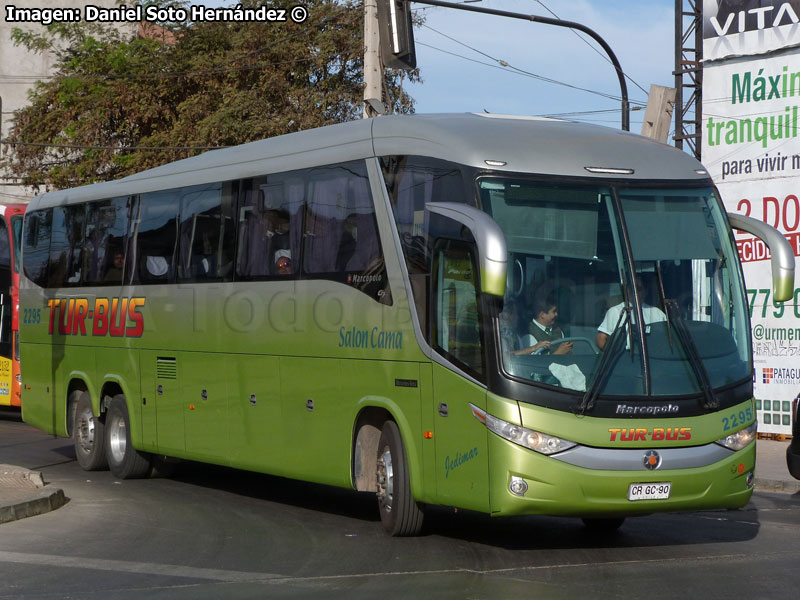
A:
(740, 439)
(527, 438)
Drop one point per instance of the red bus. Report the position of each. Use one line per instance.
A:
(10, 240)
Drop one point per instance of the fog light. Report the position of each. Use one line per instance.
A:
(750, 480)
(518, 486)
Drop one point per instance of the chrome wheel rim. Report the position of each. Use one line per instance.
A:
(117, 438)
(84, 432)
(385, 480)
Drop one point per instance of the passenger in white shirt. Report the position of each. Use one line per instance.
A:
(651, 314)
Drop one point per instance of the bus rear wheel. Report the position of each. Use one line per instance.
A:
(124, 460)
(88, 434)
(400, 513)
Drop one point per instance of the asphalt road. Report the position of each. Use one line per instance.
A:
(210, 532)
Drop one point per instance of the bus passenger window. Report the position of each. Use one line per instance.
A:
(270, 223)
(66, 248)
(104, 255)
(36, 245)
(206, 233)
(341, 239)
(153, 260)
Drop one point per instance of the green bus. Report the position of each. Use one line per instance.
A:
(350, 305)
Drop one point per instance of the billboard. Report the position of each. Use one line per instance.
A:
(747, 27)
(751, 148)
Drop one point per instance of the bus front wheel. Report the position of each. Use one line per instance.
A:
(88, 435)
(124, 460)
(400, 513)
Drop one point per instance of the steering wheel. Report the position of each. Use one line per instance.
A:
(554, 343)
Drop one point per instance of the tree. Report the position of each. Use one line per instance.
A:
(117, 106)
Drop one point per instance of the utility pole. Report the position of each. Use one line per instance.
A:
(373, 71)
(658, 115)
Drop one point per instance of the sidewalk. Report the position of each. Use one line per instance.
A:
(772, 475)
(24, 493)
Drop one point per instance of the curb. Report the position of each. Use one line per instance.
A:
(23, 494)
(41, 503)
(777, 485)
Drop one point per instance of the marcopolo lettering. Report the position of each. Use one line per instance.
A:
(665, 409)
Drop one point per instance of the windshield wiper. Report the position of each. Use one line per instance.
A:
(682, 331)
(602, 371)
(662, 296)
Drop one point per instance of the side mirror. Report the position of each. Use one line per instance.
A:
(492, 253)
(782, 254)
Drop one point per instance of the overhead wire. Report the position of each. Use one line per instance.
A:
(506, 65)
(593, 47)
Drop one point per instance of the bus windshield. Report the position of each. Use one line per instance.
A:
(618, 291)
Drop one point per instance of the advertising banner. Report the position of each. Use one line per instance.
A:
(748, 27)
(751, 147)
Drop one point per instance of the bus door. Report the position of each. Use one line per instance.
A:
(462, 466)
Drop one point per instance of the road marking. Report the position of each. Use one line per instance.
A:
(100, 564)
(225, 576)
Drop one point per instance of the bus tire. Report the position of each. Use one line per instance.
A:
(88, 436)
(400, 513)
(72, 406)
(124, 460)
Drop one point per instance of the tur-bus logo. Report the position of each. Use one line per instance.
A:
(118, 317)
(657, 434)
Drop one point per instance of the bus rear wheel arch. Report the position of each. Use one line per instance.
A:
(124, 460)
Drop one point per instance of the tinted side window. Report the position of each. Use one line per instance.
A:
(206, 233)
(151, 257)
(341, 232)
(36, 245)
(66, 246)
(412, 182)
(106, 224)
(270, 225)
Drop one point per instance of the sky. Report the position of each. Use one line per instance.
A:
(458, 54)
(451, 46)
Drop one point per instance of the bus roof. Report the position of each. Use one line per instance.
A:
(524, 144)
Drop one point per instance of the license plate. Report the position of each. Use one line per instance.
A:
(649, 491)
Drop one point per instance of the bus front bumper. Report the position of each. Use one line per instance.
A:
(554, 487)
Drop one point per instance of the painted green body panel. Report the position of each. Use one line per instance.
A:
(318, 440)
(462, 457)
(37, 410)
(427, 423)
(205, 398)
(255, 425)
